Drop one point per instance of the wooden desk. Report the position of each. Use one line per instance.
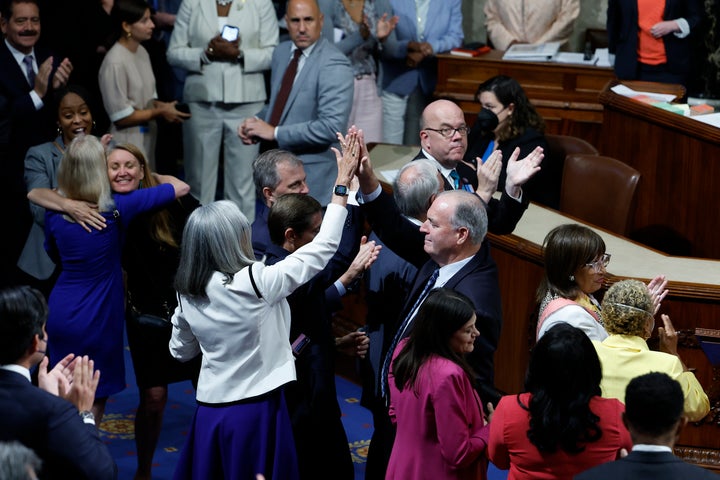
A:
(678, 159)
(693, 301)
(565, 95)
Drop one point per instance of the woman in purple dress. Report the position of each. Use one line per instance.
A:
(86, 304)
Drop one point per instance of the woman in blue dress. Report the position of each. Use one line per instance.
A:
(86, 304)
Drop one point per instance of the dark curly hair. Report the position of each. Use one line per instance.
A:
(563, 375)
(508, 90)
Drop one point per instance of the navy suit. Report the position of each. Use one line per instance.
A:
(320, 437)
(21, 127)
(641, 465)
(51, 427)
(622, 27)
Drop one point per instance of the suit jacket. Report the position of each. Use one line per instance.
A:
(197, 23)
(443, 30)
(51, 427)
(503, 214)
(41, 165)
(622, 27)
(655, 465)
(318, 107)
(23, 126)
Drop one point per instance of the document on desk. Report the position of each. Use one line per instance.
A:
(528, 52)
(629, 92)
(575, 58)
(709, 118)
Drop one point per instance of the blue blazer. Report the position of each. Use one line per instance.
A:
(51, 427)
(443, 30)
(622, 27)
(318, 107)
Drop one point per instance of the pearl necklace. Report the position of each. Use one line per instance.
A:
(223, 3)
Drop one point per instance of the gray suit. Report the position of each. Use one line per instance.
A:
(318, 107)
(41, 165)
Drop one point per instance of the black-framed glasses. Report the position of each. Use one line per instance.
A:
(600, 263)
(448, 132)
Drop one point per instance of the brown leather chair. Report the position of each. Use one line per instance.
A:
(599, 190)
(559, 147)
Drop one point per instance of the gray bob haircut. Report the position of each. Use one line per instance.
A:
(216, 239)
(414, 186)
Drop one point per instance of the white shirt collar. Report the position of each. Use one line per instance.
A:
(12, 367)
(448, 271)
(20, 56)
(643, 447)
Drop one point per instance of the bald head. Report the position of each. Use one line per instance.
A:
(439, 115)
(304, 22)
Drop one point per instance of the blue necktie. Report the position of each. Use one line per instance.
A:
(456, 179)
(28, 61)
(401, 332)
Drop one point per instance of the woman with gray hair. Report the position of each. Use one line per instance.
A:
(234, 310)
(628, 312)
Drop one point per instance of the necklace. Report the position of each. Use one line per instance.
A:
(223, 3)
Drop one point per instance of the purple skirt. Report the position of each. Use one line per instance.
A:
(239, 441)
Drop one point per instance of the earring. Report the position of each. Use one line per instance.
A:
(128, 34)
(572, 278)
(59, 131)
(93, 126)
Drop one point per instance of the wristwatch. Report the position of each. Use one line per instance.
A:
(340, 190)
(87, 416)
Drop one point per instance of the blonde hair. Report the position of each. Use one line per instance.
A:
(82, 174)
(161, 225)
(626, 307)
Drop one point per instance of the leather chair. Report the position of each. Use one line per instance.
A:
(559, 147)
(599, 190)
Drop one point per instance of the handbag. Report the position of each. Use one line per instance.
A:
(152, 321)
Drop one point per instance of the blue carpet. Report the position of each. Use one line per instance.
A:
(117, 427)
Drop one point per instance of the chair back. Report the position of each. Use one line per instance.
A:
(599, 190)
(559, 147)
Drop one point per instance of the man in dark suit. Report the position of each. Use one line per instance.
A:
(318, 104)
(450, 241)
(63, 434)
(29, 75)
(654, 417)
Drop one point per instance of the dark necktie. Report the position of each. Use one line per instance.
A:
(28, 61)
(401, 332)
(285, 88)
(455, 178)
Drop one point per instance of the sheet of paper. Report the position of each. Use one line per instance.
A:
(710, 118)
(629, 92)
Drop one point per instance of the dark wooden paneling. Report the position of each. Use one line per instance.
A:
(565, 95)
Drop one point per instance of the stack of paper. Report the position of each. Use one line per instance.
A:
(541, 52)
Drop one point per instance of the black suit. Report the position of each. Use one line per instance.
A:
(51, 427)
(21, 127)
(650, 465)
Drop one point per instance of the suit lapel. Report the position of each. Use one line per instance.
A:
(209, 12)
(18, 78)
(310, 65)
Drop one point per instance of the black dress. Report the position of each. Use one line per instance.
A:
(150, 267)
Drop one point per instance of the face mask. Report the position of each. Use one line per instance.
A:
(487, 120)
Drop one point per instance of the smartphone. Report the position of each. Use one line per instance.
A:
(230, 33)
(299, 344)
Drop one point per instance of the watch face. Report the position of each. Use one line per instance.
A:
(341, 190)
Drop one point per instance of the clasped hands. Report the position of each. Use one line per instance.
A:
(220, 49)
(416, 53)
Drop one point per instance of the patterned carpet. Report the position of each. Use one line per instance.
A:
(118, 431)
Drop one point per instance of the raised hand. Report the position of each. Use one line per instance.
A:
(488, 174)
(658, 290)
(62, 74)
(520, 171)
(385, 26)
(84, 383)
(668, 336)
(56, 381)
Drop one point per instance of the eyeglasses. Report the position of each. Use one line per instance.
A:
(599, 264)
(449, 132)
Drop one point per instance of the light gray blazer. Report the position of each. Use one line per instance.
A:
(41, 166)
(197, 23)
(318, 107)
